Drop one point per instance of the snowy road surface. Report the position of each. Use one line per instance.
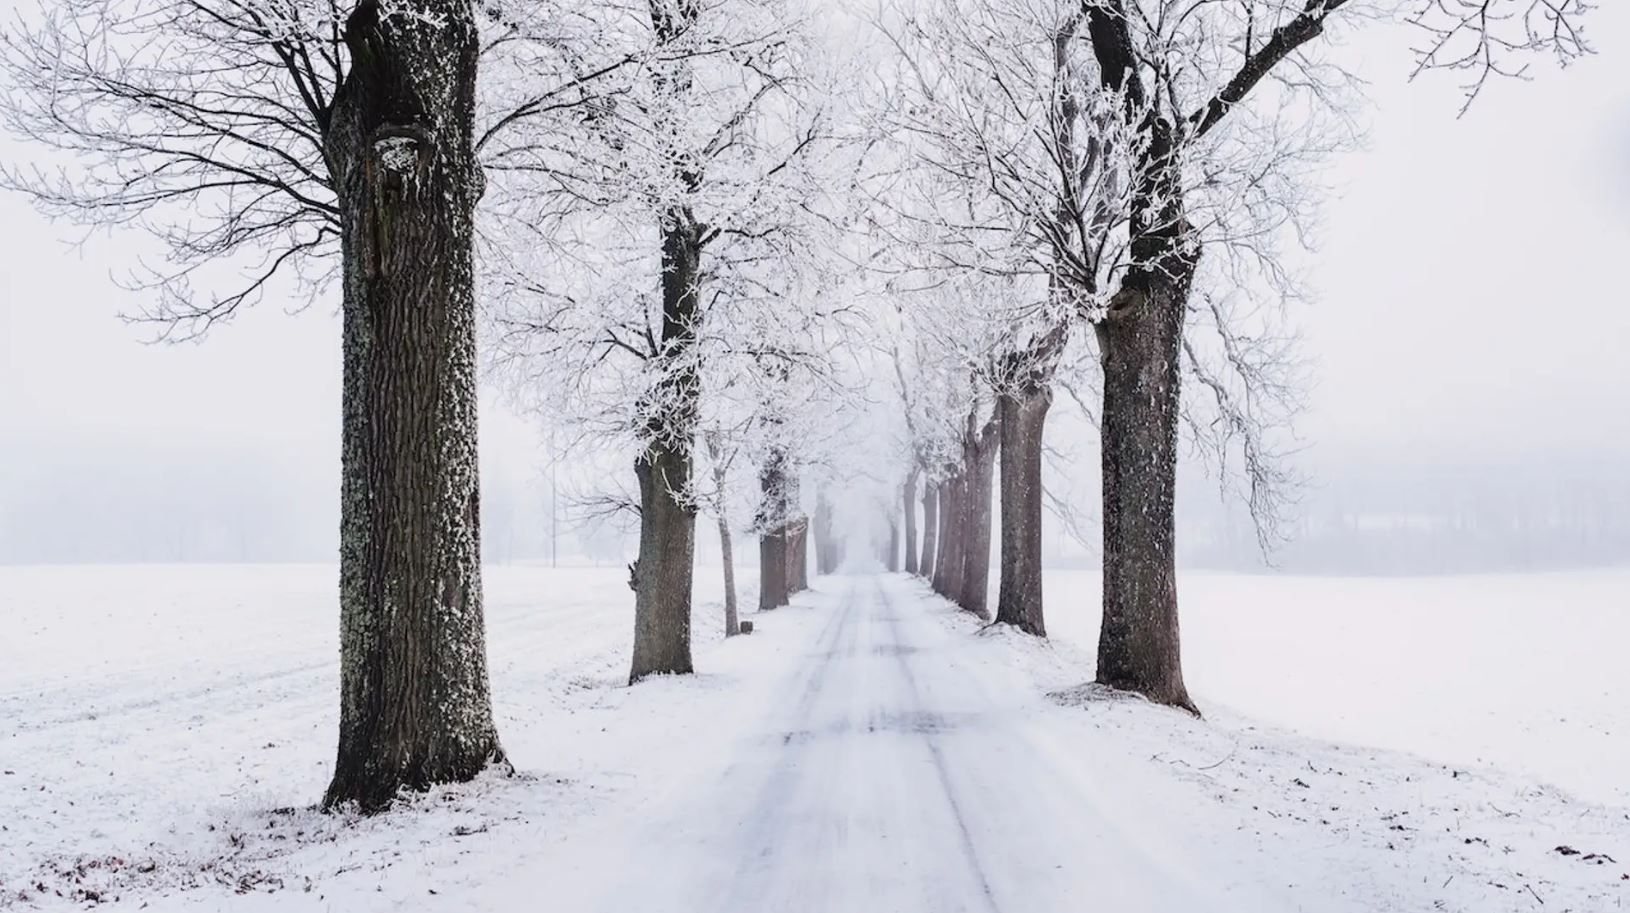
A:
(889, 775)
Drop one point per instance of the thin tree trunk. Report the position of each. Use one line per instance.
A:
(956, 536)
(942, 536)
(909, 501)
(947, 569)
(721, 480)
(797, 556)
(893, 556)
(976, 555)
(415, 708)
(930, 529)
(732, 623)
(1023, 416)
(826, 552)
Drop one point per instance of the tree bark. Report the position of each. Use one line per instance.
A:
(773, 590)
(774, 584)
(1023, 417)
(415, 706)
(797, 537)
(662, 578)
(892, 559)
(732, 617)
(662, 592)
(975, 592)
(930, 529)
(953, 542)
(1139, 645)
(942, 536)
(826, 547)
(908, 500)
(727, 553)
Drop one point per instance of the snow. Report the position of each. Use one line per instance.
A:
(1522, 672)
(868, 748)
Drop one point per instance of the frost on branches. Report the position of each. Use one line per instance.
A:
(675, 248)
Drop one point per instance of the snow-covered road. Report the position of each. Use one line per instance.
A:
(886, 773)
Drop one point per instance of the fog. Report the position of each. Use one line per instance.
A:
(1467, 412)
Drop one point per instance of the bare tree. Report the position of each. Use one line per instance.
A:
(1012, 193)
(979, 449)
(672, 225)
(721, 455)
(203, 123)
(908, 504)
(826, 541)
(287, 144)
(1182, 82)
(1075, 149)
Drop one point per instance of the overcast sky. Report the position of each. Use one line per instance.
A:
(1472, 308)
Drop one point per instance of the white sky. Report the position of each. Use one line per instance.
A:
(1473, 307)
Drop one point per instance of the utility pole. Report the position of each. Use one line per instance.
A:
(554, 502)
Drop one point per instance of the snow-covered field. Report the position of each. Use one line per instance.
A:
(164, 730)
(1528, 673)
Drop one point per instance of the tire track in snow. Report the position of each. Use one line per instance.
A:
(903, 660)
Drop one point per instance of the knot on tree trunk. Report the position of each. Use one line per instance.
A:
(1127, 300)
(401, 151)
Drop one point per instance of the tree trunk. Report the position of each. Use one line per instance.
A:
(942, 536)
(975, 594)
(662, 592)
(773, 548)
(662, 578)
(797, 556)
(1140, 345)
(892, 561)
(772, 569)
(1023, 417)
(415, 708)
(663, 571)
(826, 551)
(930, 528)
(1140, 341)
(727, 551)
(948, 570)
(732, 623)
(908, 499)
(957, 536)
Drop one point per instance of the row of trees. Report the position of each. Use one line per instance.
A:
(1127, 168)
(681, 223)
(614, 191)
